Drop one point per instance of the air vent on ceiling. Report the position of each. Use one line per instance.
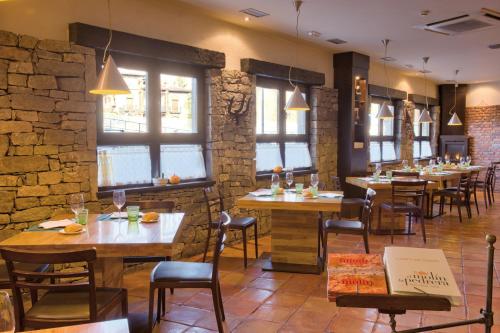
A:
(388, 59)
(485, 19)
(254, 12)
(336, 41)
(494, 46)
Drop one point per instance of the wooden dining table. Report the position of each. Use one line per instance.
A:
(110, 326)
(294, 229)
(113, 239)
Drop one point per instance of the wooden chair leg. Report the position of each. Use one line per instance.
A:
(256, 233)
(33, 296)
(220, 302)
(207, 243)
(423, 226)
(393, 224)
(124, 303)
(410, 215)
(325, 248)
(151, 308)
(320, 232)
(459, 208)
(159, 305)
(365, 240)
(244, 232)
(475, 201)
(164, 302)
(485, 199)
(218, 316)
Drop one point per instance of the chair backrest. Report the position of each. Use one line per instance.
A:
(214, 201)
(409, 190)
(54, 281)
(166, 206)
(489, 179)
(222, 227)
(464, 183)
(336, 183)
(473, 176)
(368, 207)
(322, 186)
(407, 174)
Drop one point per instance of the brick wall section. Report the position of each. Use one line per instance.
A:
(47, 128)
(482, 125)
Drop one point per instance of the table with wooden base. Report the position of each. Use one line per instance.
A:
(113, 240)
(294, 229)
(383, 188)
(110, 326)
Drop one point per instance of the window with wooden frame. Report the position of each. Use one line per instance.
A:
(382, 134)
(156, 130)
(282, 136)
(422, 135)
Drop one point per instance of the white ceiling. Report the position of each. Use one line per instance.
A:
(364, 23)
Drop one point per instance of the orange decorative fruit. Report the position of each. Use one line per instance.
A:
(174, 179)
(278, 169)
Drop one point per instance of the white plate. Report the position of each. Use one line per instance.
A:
(72, 233)
(150, 221)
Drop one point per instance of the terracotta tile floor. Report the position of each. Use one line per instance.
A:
(261, 302)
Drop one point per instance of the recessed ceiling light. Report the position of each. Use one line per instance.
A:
(425, 12)
(247, 18)
(314, 33)
(254, 12)
(388, 58)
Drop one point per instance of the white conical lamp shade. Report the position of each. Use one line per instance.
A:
(384, 112)
(454, 120)
(110, 81)
(425, 117)
(296, 102)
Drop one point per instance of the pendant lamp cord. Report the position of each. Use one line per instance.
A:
(386, 43)
(455, 97)
(106, 49)
(296, 47)
(425, 83)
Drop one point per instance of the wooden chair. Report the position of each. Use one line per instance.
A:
(458, 195)
(473, 187)
(175, 274)
(214, 200)
(486, 185)
(64, 303)
(165, 206)
(5, 280)
(349, 226)
(407, 197)
(409, 174)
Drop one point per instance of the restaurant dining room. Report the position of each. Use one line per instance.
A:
(249, 166)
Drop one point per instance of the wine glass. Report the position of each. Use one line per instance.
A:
(462, 160)
(314, 179)
(7, 319)
(439, 160)
(447, 159)
(405, 164)
(289, 179)
(119, 201)
(378, 168)
(76, 202)
(469, 160)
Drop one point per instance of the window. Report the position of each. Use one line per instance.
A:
(282, 137)
(154, 131)
(422, 133)
(382, 138)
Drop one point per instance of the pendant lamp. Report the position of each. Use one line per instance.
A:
(385, 112)
(425, 116)
(454, 120)
(110, 81)
(296, 102)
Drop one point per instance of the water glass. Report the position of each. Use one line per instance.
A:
(76, 202)
(119, 200)
(405, 164)
(7, 319)
(299, 187)
(388, 174)
(378, 168)
(289, 179)
(314, 180)
(462, 160)
(314, 190)
(133, 213)
(83, 216)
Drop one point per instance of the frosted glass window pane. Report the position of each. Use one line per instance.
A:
(374, 122)
(416, 148)
(375, 152)
(178, 104)
(267, 110)
(295, 120)
(388, 151)
(426, 129)
(416, 125)
(127, 113)
(120, 165)
(297, 155)
(268, 156)
(388, 124)
(426, 149)
(186, 161)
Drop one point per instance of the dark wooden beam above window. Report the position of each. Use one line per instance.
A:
(280, 72)
(420, 99)
(97, 37)
(379, 91)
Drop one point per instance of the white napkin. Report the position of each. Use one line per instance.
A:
(261, 193)
(56, 224)
(123, 215)
(330, 195)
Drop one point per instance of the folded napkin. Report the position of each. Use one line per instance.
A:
(123, 215)
(56, 224)
(261, 193)
(330, 195)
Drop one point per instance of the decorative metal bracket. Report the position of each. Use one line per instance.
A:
(240, 111)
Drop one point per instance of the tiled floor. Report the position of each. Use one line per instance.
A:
(261, 302)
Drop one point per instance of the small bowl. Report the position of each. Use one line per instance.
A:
(160, 181)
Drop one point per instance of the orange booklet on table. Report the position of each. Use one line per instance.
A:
(355, 274)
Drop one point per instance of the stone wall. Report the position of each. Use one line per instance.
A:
(482, 125)
(47, 128)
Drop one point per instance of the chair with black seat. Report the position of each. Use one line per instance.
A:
(409, 174)
(351, 227)
(63, 303)
(473, 187)
(458, 195)
(176, 274)
(214, 200)
(407, 197)
(486, 185)
(162, 206)
(348, 204)
(492, 182)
